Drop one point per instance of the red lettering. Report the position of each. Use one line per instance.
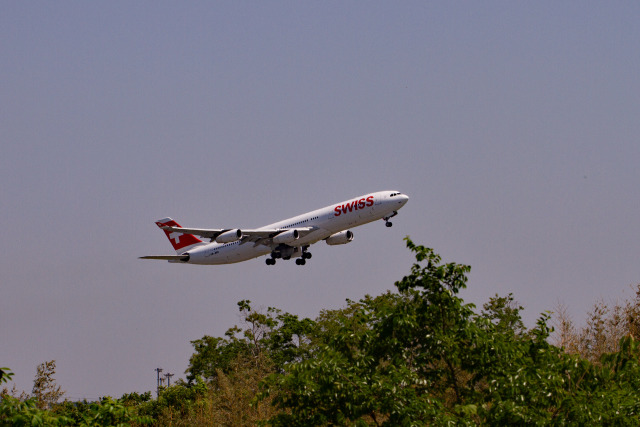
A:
(354, 205)
(349, 206)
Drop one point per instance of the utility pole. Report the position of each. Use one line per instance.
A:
(158, 370)
(168, 377)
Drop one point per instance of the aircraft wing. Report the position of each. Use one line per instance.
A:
(202, 232)
(270, 233)
(265, 236)
(260, 236)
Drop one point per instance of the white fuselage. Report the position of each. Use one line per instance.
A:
(325, 222)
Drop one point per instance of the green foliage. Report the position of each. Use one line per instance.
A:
(14, 412)
(282, 336)
(504, 313)
(107, 412)
(213, 353)
(181, 399)
(391, 360)
(111, 412)
(135, 399)
(42, 410)
(5, 375)
(75, 411)
(418, 356)
(289, 339)
(423, 356)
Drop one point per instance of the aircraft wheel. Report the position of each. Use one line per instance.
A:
(270, 261)
(301, 261)
(389, 224)
(306, 255)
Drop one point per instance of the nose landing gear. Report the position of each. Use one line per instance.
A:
(388, 217)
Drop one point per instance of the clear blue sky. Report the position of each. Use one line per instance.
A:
(513, 127)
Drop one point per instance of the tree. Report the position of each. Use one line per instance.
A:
(605, 327)
(15, 412)
(111, 412)
(424, 356)
(45, 389)
(5, 375)
(282, 337)
(504, 313)
(225, 400)
(395, 359)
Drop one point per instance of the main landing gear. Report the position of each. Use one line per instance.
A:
(387, 218)
(303, 260)
(299, 261)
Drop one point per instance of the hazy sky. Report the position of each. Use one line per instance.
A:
(513, 127)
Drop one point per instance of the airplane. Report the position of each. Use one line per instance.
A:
(285, 239)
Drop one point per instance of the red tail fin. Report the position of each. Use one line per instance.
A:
(179, 240)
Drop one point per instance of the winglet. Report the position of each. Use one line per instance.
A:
(179, 241)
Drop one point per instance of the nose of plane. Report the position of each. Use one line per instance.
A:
(403, 199)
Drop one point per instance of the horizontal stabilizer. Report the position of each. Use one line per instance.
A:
(167, 257)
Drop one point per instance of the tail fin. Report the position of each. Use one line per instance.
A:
(181, 242)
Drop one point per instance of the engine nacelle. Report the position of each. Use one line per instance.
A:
(286, 237)
(339, 238)
(229, 236)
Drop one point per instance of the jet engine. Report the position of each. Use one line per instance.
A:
(229, 236)
(286, 237)
(339, 238)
